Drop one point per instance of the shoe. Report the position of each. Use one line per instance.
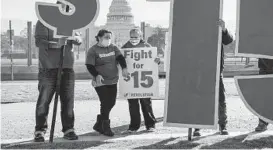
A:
(261, 127)
(151, 129)
(129, 131)
(106, 128)
(223, 131)
(39, 137)
(71, 136)
(98, 125)
(196, 132)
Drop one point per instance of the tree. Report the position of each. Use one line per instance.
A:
(5, 46)
(158, 40)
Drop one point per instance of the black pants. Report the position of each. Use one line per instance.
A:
(47, 86)
(222, 114)
(263, 72)
(147, 110)
(107, 95)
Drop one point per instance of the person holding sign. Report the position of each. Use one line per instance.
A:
(266, 67)
(49, 57)
(226, 39)
(101, 61)
(146, 103)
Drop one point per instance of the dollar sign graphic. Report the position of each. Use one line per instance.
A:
(63, 23)
(255, 34)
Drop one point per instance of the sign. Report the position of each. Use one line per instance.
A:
(255, 32)
(143, 79)
(193, 71)
(83, 12)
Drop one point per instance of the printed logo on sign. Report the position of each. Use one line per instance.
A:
(107, 55)
(141, 94)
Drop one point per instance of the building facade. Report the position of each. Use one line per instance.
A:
(120, 21)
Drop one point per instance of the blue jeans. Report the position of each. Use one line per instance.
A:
(47, 86)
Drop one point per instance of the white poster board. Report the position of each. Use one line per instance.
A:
(143, 79)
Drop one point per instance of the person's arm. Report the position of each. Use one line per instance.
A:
(226, 37)
(41, 36)
(157, 59)
(77, 39)
(120, 58)
(92, 70)
(90, 63)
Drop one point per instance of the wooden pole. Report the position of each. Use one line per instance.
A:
(57, 94)
(190, 134)
(29, 35)
(143, 30)
(86, 40)
(11, 50)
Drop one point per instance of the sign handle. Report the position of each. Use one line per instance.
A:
(57, 94)
(190, 134)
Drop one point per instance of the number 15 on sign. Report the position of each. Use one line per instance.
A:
(143, 79)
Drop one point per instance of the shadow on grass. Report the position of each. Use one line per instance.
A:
(182, 144)
(236, 142)
(63, 145)
(9, 102)
(94, 139)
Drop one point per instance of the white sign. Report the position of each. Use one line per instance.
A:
(143, 79)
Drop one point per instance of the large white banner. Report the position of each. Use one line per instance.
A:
(143, 79)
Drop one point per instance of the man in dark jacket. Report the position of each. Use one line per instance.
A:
(146, 103)
(49, 59)
(226, 39)
(266, 67)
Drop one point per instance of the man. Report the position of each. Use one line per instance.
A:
(146, 103)
(266, 67)
(226, 39)
(49, 59)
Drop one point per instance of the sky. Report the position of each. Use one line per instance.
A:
(154, 13)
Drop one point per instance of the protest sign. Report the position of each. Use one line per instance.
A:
(65, 24)
(143, 79)
(255, 36)
(193, 69)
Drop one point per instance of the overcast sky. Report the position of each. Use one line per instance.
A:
(153, 13)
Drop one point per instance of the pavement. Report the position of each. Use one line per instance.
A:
(18, 121)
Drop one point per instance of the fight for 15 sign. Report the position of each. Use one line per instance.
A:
(143, 79)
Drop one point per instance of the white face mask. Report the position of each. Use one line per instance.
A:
(135, 41)
(106, 43)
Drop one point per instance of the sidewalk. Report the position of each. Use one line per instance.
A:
(18, 126)
(18, 121)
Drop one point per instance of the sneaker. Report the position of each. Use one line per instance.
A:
(150, 129)
(196, 132)
(224, 132)
(261, 127)
(129, 131)
(39, 137)
(71, 136)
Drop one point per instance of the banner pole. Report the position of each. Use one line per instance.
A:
(57, 94)
(190, 134)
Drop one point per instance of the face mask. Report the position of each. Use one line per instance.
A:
(134, 41)
(105, 43)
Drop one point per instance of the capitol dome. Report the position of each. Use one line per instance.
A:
(120, 13)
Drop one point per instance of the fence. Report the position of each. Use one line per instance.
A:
(22, 56)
